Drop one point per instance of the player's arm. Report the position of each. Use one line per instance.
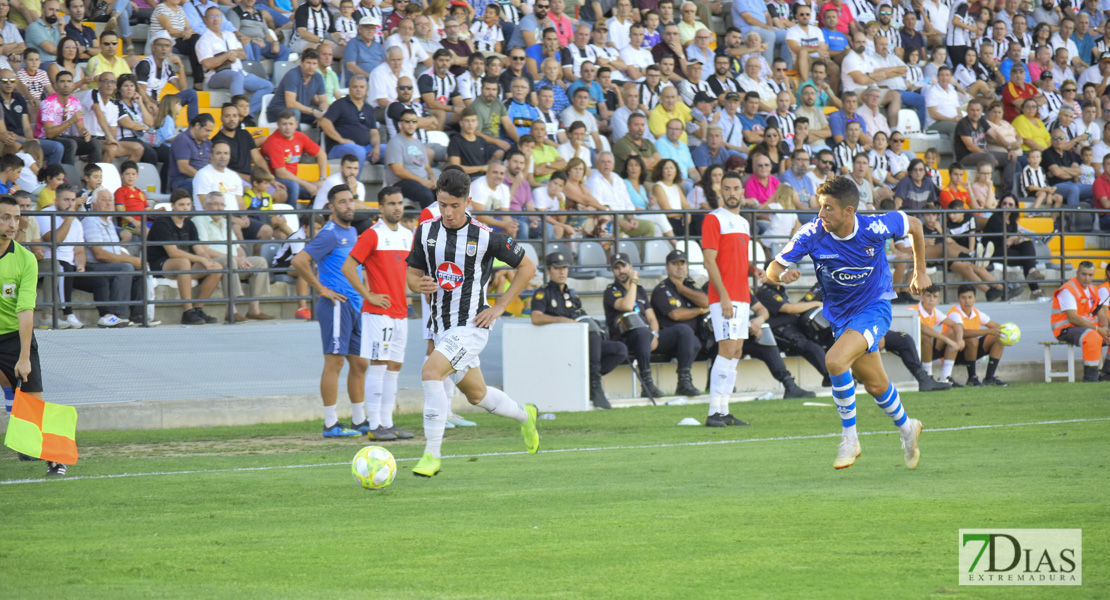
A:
(920, 279)
(793, 308)
(542, 318)
(420, 282)
(757, 321)
(776, 272)
(302, 262)
(350, 270)
(524, 272)
(25, 305)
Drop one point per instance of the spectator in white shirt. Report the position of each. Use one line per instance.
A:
(943, 104)
(489, 193)
(576, 145)
(215, 49)
(413, 53)
(610, 190)
(384, 79)
(635, 56)
(214, 230)
(621, 24)
(105, 255)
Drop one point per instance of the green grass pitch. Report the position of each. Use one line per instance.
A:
(617, 504)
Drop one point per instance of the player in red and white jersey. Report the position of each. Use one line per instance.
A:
(382, 251)
(429, 213)
(725, 241)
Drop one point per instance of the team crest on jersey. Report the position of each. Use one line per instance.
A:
(870, 251)
(449, 275)
(9, 290)
(851, 276)
(471, 248)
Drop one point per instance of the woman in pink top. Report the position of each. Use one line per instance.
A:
(762, 185)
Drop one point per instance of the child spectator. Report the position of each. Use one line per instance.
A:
(91, 180)
(243, 105)
(345, 24)
(932, 159)
(1033, 183)
(33, 78)
(259, 198)
(487, 33)
(982, 189)
(165, 123)
(651, 30)
(130, 198)
(52, 176)
(1087, 166)
(955, 189)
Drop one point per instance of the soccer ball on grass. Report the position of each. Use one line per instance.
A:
(374, 467)
(1009, 334)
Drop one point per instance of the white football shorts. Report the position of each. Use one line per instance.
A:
(462, 347)
(384, 338)
(735, 328)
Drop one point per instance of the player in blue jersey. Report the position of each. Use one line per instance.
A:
(338, 311)
(847, 250)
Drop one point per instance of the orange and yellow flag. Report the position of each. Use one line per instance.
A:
(42, 429)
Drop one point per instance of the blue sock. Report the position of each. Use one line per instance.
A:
(888, 401)
(9, 398)
(844, 393)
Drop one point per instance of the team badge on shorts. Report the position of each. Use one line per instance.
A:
(449, 275)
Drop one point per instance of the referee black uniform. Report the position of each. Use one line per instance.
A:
(558, 300)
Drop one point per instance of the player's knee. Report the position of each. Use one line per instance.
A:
(359, 365)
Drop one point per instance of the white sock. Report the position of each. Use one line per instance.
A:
(374, 377)
(435, 416)
(946, 368)
(730, 385)
(389, 398)
(718, 385)
(500, 404)
(449, 389)
(330, 418)
(358, 413)
(933, 368)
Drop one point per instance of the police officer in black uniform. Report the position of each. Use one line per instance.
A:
(678, 302)
(629, 316)
(557, 303)
(784, 324)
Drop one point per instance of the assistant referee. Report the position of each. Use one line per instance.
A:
(19, 273)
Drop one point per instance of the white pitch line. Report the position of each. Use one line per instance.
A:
(553, 451)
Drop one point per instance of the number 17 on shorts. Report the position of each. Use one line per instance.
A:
(383, 338)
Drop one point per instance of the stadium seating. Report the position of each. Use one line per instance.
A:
(591, 261)
(110, 176)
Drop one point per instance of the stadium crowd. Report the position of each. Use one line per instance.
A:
(612, 106)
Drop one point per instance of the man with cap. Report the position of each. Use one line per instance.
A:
(785, 319)
(365, 51)
(678, 302)
(630, 318)
(557, 303)
(252, 25)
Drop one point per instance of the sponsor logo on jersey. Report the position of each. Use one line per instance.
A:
(851, 276)
(9, 290)
(878, 228)
(449, 275)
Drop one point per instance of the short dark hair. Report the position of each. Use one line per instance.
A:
(441, 53)
(201, 120)
(751, 96)
(9, 200)
(475, 58)
(286, 114)
(732, 175)
(932, 289)
(454, 183)
(560, 175)
(965, 288)
(30, 51)
(107, 32)
(310, 54)
(348, 158)
(1086, 265)
(334, 191)
(511, 153)
(178, 194)
(223, 142)
(387, 191)
(843, 190)
(10, 161)
(130, 164)
(576, 125)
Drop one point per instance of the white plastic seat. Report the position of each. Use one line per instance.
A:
(655, 251)
(291, 219)
(110, 180)
(591, 261)
(263, 121)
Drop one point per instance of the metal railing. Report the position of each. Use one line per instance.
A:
(1058, 258)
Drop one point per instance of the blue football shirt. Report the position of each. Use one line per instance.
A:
(330, 249)
(852, 271)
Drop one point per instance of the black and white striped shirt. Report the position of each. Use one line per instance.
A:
(844, 153)
(318, 22)
(486, 37)
(934, 174)
(648, 96)
(1101, 45)
(443, 88)
(891, 34)
(688, 89)
(958, 36)
(552, 124)
(1031, 177)
(1051, 107)
(509, 13)
(1071, 131)
(880, 165)
(470, 87)
(581, 55)
(777, 87)
(785, 123)
(461, 261)
(998, 47)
